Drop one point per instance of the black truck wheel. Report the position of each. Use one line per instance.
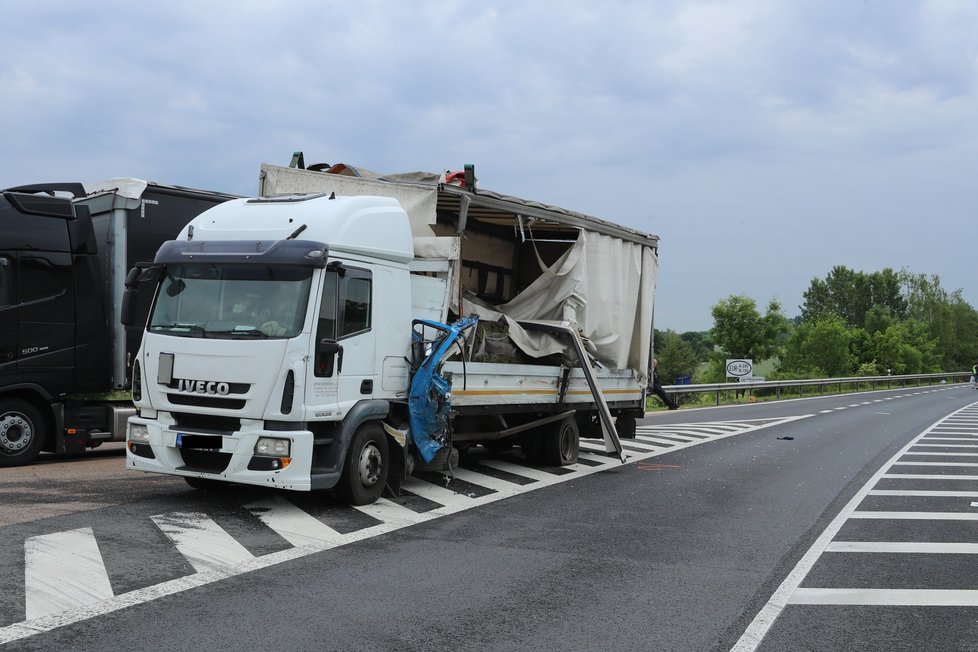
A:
(560, 443)
(366, 468)
(21, 432)
(625, 425)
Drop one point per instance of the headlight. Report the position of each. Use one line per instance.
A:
(138, 432)
(273, 447)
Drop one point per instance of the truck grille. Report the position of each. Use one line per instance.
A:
(206, 401)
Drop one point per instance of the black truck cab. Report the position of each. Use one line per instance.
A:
(65, 357)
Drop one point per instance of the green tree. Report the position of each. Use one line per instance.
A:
(740, 331)
(904, 348)
(675, 356)
(820, 348)
(851, 295)
(950, 320)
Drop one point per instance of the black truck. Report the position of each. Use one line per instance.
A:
(65, 357)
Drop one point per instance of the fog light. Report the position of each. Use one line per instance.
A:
(273, 447)
(138, 432)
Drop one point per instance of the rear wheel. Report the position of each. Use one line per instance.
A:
(625, 425)
(560, 443)
(21, 432)
(367, 466)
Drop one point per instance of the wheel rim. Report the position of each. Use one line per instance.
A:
(15, 432)
(370, 465)
(566, 443)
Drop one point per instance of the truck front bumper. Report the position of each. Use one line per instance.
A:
(229, 457)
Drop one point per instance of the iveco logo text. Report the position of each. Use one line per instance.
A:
(203, 387)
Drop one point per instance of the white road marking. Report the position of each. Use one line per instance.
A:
(928, 476)
(919, 516)
(62, 571)
(790, 593)
(915, 547)
(215, 555)
(923, 492)
(446, 497)
(391, 513)
(887, 597)
(203, 542)
(294, 525)
(488, 481)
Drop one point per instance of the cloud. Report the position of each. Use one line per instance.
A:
(805, 134)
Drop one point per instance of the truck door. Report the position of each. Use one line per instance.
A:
(46, 311)
(8, 317)
(344, 370)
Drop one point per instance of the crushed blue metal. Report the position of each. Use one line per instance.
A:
(429, 399)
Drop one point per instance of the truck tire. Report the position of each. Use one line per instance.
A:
(367, 466)
(21, 432)
(560, 443)
(625, 425)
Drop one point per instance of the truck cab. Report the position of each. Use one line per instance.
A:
(279, 328)
(48, 275)
(65, 357)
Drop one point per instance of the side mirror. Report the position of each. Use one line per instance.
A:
(329, 354)
(128, 316)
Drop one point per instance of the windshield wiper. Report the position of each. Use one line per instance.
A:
(246, 331)
(190, 328)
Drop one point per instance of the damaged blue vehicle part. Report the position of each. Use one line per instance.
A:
(429, 398)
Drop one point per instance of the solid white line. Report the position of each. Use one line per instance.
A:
(929, 476)
(910, 492)
(888, 597)
(785, 593)
(946, 445)
(62, 571)
(913, 547)
(942, 454)
(918, 516)
(294, 525)
(203, 542)
(965, 464)
(952, 438)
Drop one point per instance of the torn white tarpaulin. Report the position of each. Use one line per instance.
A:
(603, 284)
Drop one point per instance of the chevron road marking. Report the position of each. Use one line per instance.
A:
(66, 580)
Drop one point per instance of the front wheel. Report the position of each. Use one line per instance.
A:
(366, 468)
(21, 432)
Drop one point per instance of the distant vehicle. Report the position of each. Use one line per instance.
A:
(64, 355)
(343, 331)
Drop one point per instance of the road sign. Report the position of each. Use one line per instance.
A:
(740, 368)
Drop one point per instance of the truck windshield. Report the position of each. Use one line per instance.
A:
(232, 301)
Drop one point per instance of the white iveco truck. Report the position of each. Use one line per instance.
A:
(344, 330)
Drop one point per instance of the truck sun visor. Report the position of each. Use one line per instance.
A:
(285, 252)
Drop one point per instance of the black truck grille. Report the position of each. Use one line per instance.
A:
(206, 401)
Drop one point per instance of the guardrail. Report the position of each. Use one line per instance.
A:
(819, 383)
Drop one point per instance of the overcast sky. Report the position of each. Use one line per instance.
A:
(764, 141)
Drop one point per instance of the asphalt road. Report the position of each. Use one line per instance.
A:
(680, 549)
